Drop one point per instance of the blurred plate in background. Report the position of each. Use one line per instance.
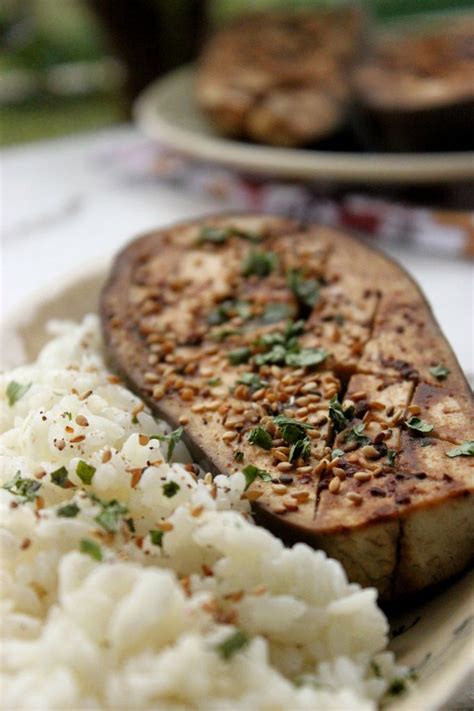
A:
(167, 112)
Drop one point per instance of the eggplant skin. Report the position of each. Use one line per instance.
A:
(400, 515)
(280, 78)
(415, 92)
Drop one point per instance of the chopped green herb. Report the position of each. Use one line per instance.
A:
(466, 449)
(306, 291)
(251, 472)
(224, 333)
(220, 235)
(337, 453)
(355, 435)
(172, 438)
(415, 423)
(156, 537)
(68, 415)
(340, 418)
(170, 489)
(252, 380)
(110, 515)
(85, 472)
(376, 668)
(440, 372)
(240, 355)
(276, 355)
(227, 310)
(397, 686)
(25, 488)
(306, 357)
(59, 477)
(134, 420)
(291, 430)
(232, 644)
(300, 449)
(238, 456)
(391, 456)
(261, 438)
(276, 311)
(68, 510)
(214, 381)
(259, 263)
(15, 391)
(90, 548)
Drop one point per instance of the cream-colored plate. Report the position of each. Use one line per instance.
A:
(168, 112)
(435, 636)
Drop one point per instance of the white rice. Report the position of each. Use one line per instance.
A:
(143, 628)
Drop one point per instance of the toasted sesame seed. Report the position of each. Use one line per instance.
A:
(76, 440)
(252, 495)
(85, 395)
(229, 436)
(150, 377)
(165, 526)
(208, 478)
(279, 509)
(158, 392)
(183, 420)
(279, 489)
(306, 469)
(414, 409)
(358, 395)
(376, 405)
(377, 471)
(355, 498)
(309, 387)
(369, 451)
(281, 456)
(106, 456)
(338, 471)
(334, 485)
(186, 394)
(143, 439)
(137, 409)
(290, 505)
(284, 466)
(197, 511)
(321, 466)
(363, 476)
(198, 407)
(301, 496)
(82, 421)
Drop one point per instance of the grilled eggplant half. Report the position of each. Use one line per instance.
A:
(312, 363)
(280, 78)
(415, 90)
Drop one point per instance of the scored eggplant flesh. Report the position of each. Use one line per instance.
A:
(300, 351)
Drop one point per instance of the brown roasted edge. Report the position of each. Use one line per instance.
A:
(391, 546)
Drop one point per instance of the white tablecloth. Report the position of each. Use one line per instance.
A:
(64, 203)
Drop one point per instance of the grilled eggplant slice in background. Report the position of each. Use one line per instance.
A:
(314, 364)
(280, 78)
(415, 90)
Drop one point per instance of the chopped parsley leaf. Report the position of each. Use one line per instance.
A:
(238, 456)
(240, 355)
(251, 472)
(170, 489)
(418, 425)
(172, 438)
(440, 372)
(340, 418)
(227, 310)
(306, 357)
(259, 263)
(68, 510)
(355, 435)
(156, 537)
(391, 456)
(276, 311)
(232, 644)
(261, 438)
(110, 515)
(306, 291)
(252, 380)
(214, 381)
(15, 391)
(300, 449)
(90, 548)
(25, 488)
(85, 472)
(59, 477)
(466, 449)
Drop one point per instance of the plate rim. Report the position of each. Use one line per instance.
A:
(289, 163)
